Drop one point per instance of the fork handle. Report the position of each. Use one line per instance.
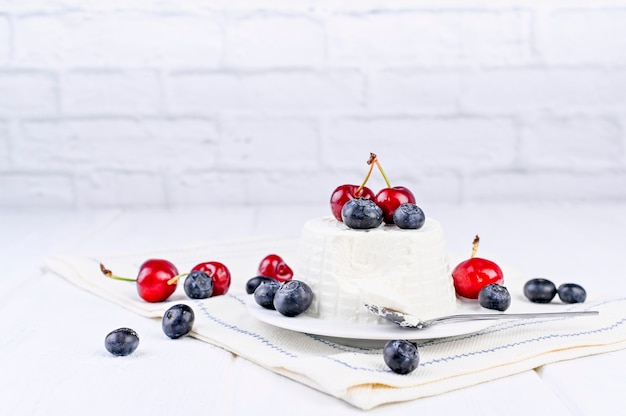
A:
(489, 316)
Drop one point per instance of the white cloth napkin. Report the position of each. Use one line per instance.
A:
(357, 375)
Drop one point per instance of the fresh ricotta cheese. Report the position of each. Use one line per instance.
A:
(407, 270)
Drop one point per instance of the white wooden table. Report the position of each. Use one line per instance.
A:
(52, 358)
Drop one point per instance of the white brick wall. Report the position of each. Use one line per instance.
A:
(148, 103)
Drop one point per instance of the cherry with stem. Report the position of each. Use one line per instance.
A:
(346, 192)
(153, 280)
(473, 274)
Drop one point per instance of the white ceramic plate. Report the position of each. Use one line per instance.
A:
(363, 334)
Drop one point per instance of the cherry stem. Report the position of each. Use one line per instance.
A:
(380, 168)
(475, 245)
(109, 273)
(176, 278)
(367, 177)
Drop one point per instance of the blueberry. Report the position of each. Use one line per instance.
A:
(265, 292)
(572, 293)
(540, 290)
(198, 285)
(494, 296)
(409, 216)
(361, 214)
(255, 282)
(401, 356)
(178, 321)
(122, 341)
(293, 297)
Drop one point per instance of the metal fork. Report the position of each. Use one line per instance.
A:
(409, 321)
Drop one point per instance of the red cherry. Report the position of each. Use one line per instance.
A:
(471, 275)
(275, 267)
(155, 281)
(389, 199)
(343, 194)
(219, 274)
